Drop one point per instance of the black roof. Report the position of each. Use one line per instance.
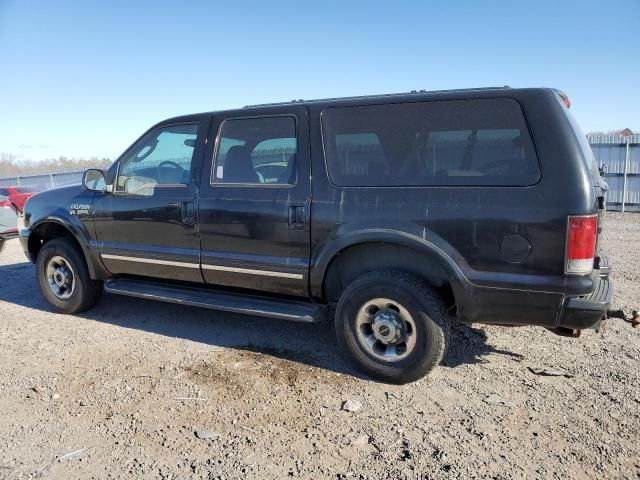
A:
(412, 96)
(412, 93)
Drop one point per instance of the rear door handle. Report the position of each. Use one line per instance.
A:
(296, 217)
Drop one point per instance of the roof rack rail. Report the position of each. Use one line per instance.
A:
(359, 97)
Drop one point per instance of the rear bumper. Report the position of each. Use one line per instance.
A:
(587, 311)
(6, 235)
(508, 306)
(9, 234)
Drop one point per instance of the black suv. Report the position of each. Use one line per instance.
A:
(396, 213)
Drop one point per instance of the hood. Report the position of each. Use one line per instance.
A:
(56, 195)
(55, 202)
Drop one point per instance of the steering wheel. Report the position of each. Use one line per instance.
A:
(163, 176)
(273, 170)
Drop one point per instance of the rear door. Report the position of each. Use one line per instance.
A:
(254, 201)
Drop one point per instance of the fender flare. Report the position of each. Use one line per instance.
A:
(426, 244)
(80, 236)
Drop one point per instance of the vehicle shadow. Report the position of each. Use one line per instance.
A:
(469, 345)
(310, 344)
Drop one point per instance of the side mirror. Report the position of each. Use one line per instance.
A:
(94, 180)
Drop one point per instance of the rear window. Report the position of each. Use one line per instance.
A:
(461, 142)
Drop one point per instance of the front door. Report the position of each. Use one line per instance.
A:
(254, 202)
(147, 226)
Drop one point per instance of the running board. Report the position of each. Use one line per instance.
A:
(217, 300)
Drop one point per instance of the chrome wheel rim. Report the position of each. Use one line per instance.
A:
(60, 277)
(386, 330)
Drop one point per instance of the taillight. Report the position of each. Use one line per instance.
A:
(581, 243)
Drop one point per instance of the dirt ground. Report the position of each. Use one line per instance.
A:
(122, 390)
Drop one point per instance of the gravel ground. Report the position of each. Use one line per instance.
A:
(122, 390)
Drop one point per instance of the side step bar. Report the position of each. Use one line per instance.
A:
(217, 300)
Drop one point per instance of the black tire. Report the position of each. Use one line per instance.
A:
(428, 314)
(85, 293)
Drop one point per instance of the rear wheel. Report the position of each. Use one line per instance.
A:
(64, 278)
(392, 326)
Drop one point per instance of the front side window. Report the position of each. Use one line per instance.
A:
(460, 142)
(162, 157)
(261, 150)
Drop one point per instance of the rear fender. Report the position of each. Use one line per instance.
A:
(428, 243)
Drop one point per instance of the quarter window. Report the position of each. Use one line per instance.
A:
(260, 150)
(462, 142)
(162, 157)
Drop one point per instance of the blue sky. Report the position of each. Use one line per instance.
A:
(84, 78)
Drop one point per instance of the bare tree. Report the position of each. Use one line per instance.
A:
(11, 166)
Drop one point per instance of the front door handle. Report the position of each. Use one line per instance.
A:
(187, 211)
(296, 217)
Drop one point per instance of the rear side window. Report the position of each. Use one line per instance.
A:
(259, 150)
(459, 142)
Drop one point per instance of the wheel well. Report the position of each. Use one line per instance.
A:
(353, 261)
(46, 232)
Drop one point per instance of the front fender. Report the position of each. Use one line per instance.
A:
(76, 228)
(78, 232)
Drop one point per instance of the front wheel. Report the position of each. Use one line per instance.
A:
(392, 326)
(64, 278)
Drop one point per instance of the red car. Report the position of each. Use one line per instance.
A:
(16, 196)
(12, 200)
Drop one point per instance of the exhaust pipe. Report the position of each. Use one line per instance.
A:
(565, 332)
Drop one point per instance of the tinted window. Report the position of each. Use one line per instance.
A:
(162, 157)
(462, 142)
(257, 151)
